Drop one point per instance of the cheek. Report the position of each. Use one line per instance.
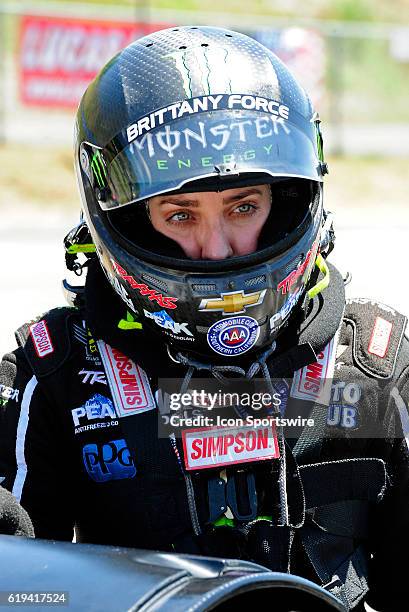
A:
(244, 242)
(245, 239)
(185, 240)
(189, 245)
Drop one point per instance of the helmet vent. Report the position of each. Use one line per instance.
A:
(152, 280)
(257, 280)
(204, 288)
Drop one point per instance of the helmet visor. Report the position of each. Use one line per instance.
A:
(224, 144)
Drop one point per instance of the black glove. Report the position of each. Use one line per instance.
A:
(14, 520)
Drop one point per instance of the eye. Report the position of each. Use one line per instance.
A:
(179, 217)
(245, 208)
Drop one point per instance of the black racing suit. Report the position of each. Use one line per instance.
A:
(80, 447)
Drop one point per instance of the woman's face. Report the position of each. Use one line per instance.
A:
(213, 225)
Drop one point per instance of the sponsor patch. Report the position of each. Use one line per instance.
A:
(285, 285)
(233, 336)
(278, 319)
(41, 338)
(153, 296)
(110, 461)
(312, 382)
(129, 384)
(91, 377)
(381, 333)
(84, 336)
(164, 320)
(8, 393)
(346, 393)
(211, 447)
(340, 415)
(97, 407)
(235, 302)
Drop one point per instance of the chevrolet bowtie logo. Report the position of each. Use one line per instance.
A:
(235, 302)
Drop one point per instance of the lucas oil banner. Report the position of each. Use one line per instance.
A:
(59, 57)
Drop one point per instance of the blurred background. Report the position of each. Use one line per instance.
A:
(352, 56)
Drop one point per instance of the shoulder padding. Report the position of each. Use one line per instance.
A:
(377, 336)
(46, 340)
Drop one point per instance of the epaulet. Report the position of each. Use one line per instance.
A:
(377, 336)
(46, 340)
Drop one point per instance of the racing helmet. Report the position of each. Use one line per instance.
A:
(192, 109)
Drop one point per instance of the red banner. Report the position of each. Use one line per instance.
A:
(58, 57)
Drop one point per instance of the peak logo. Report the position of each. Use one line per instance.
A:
(165, 321)
(98, 407)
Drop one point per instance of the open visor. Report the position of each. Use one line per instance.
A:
(223, 143)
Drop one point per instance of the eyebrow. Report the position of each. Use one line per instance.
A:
(244, 194)
(194, 203)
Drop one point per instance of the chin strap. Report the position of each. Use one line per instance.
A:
(325, 248)
(218, 371)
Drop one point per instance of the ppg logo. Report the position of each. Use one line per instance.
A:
(110, 461)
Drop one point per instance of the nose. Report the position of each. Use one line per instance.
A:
(215, 243)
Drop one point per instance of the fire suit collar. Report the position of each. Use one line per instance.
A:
(104, 309)
(307, 338)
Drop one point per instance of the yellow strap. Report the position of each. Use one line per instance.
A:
(81, 248)
(324, 282)
(129, 322)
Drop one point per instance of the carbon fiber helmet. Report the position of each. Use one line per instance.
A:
(200, 109)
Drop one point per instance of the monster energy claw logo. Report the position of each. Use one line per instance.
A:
(98, 169)
(201, 62)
